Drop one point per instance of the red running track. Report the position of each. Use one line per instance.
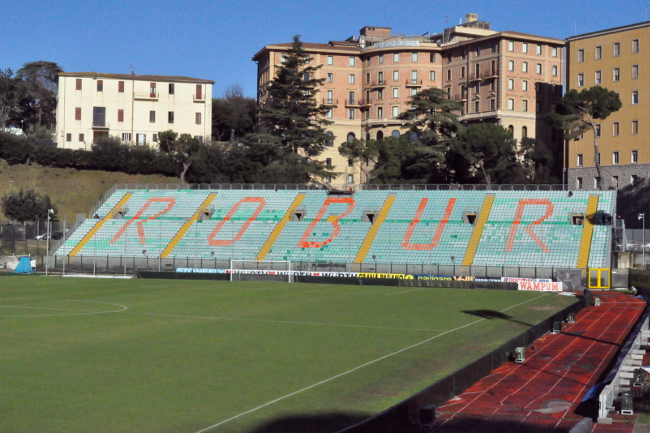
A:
(543, 394)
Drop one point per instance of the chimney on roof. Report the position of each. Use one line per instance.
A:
(470, 18)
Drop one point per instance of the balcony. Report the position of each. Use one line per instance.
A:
(475, 77)
(385, 121)
(330, 101)
(145, 96)
(198, 98)
(366, 102)
(489, 75)
(413, 82)
(101, 126)
(352, 103)
(379, 84)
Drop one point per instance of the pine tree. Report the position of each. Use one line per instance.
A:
(293, 123)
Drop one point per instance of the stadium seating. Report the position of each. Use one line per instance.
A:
(517, 228)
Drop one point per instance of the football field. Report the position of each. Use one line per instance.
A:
(163, 356)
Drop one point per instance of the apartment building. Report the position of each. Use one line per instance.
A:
(616, 59)
(509, 78)
(135, 108)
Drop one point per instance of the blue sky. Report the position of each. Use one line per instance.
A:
(216, 39)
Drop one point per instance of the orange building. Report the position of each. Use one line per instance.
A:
(616, 59)
(508, 78)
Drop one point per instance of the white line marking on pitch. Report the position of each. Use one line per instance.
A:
(356, 368)
(122, 308)
(285, 322)
(37, 308)
(406, 291)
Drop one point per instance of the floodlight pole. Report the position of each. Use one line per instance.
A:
(642, 217)
(47, 247)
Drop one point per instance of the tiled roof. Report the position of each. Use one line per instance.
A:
(164, 78)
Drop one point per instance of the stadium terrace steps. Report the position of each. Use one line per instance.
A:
(587, 232)
(511, 228)
(478, 230)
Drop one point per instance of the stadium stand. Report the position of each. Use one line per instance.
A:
(484, 228)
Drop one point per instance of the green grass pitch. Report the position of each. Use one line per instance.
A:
(163, 356)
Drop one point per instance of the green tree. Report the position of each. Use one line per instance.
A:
(292, 122)
(12, 92)
(183, 149)
(39, 104)
(27, 205)
(432, 123)
(486, 152)
(233, 115)
(577, 112)
(537, 161)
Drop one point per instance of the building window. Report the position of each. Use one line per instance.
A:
(635, 127)
(539, 49)
(380, 112)
(580, 160)
(141, 139)
(126, 136)
(395, 111)
(581, 56)
(120, 86)
(524, 48)
(634, 157)
(432, 75)
(395, 57)
(616, 75)
(538, 68)
(395, 92)
(330, 141)
(350, 178)
(351, 113)
(395, 75)
(524, 85)
(414, 77)
(448, 74)
(478, 51)
(350, 162)
(199, 90)
(579, 183)
(380, 94)
(511, 65)
(78, 84)
(77, 113)
(615, 158)
(598, 79)
(171, 88)
(330, 96)
(368, 78)
(283, 57)
(477, 106)
(511, 84)
(635, 46)
(581, 80)
(381, 58)
(367, 61)
(330, 77)
(554, 71)
(524, 131)
(635, 72)
(524, 66)
(617, 49)
(511, 104)
(100, 85)
(493, 104)
(81, 138)
(170, 117)
(462, 72)
(351, 61)
(330, 60)
(635, 97)
(68, 137)
(599, 52)
(197, 118)
(511, 45)
(524, 105)
(616, 128)
(120, 115)
(330, 113)
(414, 57)
(597, 182)
(152, 117)
(414, 91)
(152, 90)
(597, 130)
(554, 50)
(432, 57)
(328, 162)
(351, 78)
(597, 156)
(155, 138)
(99, 116)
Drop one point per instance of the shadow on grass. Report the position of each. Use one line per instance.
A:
(350, 423)
(492, 314)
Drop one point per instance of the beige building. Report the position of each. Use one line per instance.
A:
(508, 78)
(133, 107)
(616, 59)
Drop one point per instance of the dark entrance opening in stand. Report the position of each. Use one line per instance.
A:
(577, 219)
(470, 218)
(297, 216)
(370, 217)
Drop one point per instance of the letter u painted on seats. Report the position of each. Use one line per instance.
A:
(406, 242)
(227, 242)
